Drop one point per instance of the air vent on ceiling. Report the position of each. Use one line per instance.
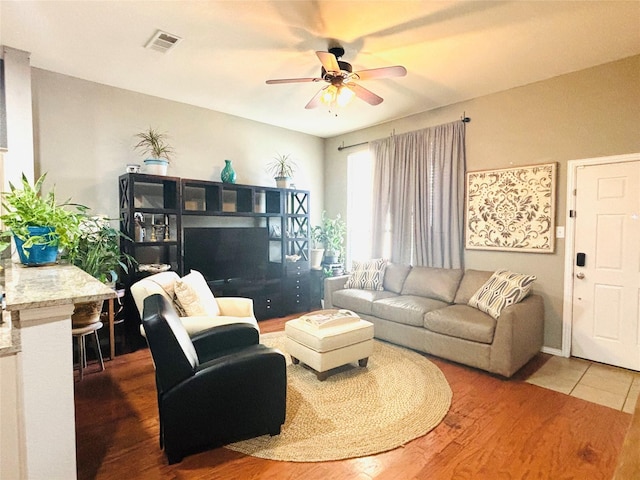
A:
(163, 41)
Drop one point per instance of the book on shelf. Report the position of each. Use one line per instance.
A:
(329, 318)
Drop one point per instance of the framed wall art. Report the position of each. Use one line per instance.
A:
(511, 209)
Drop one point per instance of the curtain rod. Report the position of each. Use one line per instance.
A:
(463, 119)
(343, 146)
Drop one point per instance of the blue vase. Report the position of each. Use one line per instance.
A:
(228, 174)
(37, 254)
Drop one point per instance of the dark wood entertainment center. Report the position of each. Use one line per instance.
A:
(156, 210)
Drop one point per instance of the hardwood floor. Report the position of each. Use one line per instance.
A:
(495, 429)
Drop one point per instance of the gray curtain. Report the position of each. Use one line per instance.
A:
(419, 196)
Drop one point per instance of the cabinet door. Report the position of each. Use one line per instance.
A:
(267, 303)
(296, 289)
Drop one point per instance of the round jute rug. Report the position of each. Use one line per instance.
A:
(357, 411)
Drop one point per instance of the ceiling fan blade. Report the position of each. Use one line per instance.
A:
(292, 80)
(316, 100)
(329, 61)
(384, 72)
(364, 94)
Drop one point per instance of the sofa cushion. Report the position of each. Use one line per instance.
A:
(360, 301)
(461, 321)
(394, 277)
(367, 275)
(406, 309)
(470, 283)
(195, 296)
(437, 283)
(504, 288)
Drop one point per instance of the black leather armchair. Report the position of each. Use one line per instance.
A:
(218, 387)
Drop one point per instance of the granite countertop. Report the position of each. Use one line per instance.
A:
(36, 287)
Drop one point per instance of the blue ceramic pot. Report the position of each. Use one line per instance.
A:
(38, 254)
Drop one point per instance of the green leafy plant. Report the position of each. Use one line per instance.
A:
(282, 166)
(330, 233)
(27, 207)
(154, 144)
(98, 252)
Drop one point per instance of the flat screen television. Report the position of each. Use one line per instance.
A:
(227, 253)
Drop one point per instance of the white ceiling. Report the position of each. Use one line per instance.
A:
(453, 50)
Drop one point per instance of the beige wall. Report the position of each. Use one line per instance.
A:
(84, 134)
(585, 114)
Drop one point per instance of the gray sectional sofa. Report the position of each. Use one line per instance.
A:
(426, 309)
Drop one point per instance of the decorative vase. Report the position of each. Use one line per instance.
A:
(37, 254)
(156, 166)
(228, 174)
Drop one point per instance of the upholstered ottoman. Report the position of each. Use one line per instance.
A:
(337, 339)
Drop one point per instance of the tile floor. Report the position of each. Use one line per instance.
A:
(603, 384)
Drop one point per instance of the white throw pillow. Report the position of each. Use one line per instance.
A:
(504, 288)
(195, 296)
(367, 275)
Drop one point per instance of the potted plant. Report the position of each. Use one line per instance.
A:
(317, 250)
(39, 226)
(331, 233)
(282, 168)
(98, 253)
(154, 144)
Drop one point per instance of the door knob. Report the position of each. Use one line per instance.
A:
(580, 275)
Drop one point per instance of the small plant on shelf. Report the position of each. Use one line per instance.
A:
(154, 144)
(282, 167)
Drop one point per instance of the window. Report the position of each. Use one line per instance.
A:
(359, 206)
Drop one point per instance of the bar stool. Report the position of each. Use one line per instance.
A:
(80, 333)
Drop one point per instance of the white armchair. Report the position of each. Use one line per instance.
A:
(230, 309)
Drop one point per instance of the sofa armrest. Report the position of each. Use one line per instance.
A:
(145, 288)
(519, 335)
(209, 343)
(332, 284)
(235, 306)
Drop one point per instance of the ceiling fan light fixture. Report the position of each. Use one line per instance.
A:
(337, 96)
(345, 95)
(329, 95)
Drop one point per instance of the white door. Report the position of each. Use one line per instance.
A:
(606, 290)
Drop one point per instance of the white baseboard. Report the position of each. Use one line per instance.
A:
(552, 351)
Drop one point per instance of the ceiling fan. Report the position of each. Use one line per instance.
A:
(341, 79)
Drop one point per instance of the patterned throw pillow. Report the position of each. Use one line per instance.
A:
(195, 296)
(367, 275)
(504, 288)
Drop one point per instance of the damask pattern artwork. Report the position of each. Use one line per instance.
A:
(511, 209)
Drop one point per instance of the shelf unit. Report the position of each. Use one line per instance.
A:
(187, 203)
(150, 217)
